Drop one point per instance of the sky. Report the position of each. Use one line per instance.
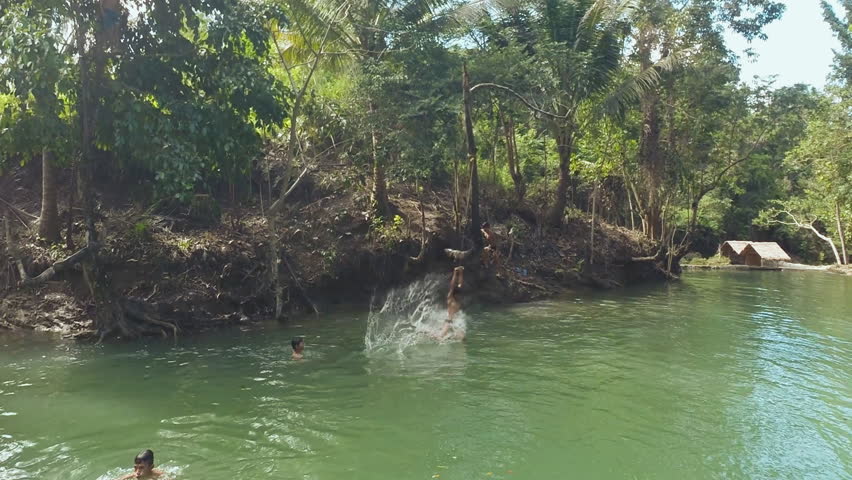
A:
(798, 50)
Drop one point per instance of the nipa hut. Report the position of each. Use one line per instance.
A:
(733, 249)
(764, 254)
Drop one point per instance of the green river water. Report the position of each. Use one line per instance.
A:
(722, 375)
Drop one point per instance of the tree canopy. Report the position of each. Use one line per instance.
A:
(638, 105)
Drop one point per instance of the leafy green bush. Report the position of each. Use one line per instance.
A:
(389, 234)
(698, 260)
(142, 230)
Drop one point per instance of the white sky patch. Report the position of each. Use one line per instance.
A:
(798, 50)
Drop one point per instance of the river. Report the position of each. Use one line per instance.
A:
(722, 375)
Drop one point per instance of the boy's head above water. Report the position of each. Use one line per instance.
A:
(298, 344)
(143, 464)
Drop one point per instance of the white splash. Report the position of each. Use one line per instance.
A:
(170, 472)
(412, 315)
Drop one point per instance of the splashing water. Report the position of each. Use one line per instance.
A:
(411, 315)
(170, 472)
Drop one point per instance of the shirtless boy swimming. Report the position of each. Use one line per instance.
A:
(298, 344)
(143, 467)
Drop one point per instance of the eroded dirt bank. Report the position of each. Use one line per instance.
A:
(199, 270)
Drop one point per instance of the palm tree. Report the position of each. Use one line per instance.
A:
(360, 32)
(582, 52)
(48, 224)
(578, 47)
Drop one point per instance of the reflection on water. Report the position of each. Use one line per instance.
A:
(723, 375)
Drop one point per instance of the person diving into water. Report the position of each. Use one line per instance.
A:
(453, 304)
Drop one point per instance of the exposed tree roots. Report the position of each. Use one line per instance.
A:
(132, 317)
(57, 267)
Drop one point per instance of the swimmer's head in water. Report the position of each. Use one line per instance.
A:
(298, 344)
(143, 464)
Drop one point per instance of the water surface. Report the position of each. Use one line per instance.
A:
(723, 375)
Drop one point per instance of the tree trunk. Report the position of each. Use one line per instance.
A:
(457, 201)
(546, 176)
(810, 226)
(829, 241)
(113, 313)
(379, 193)
(69, 226)
(92, 67)
(91, 72)
(48, 225)
(274, 266)
(274, 252)
(494, 150)
(564, 147)
(841, 233)
(693, 220)
(592, 229)
(473, 195)
(651, 158)
(630, 206)
(512, 157)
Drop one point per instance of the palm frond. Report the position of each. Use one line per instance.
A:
(471, 12)
(602, 16)
(312, 23)
(630, 90)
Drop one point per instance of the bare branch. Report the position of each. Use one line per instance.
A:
(809, 226)
(275, 207)
(521, 98)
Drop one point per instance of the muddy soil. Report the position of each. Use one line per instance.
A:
(201, 272)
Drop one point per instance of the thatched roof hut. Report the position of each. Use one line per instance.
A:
(764, 254)
(733, 249)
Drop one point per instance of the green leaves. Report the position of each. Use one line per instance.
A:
(823, 159)
(34, 112)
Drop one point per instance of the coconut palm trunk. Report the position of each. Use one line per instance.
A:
(48, 226)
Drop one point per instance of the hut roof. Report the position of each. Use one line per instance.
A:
(737, 245)
(768, 250)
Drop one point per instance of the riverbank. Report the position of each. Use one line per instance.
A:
(180, 267)
(841, 269)
(845, 270)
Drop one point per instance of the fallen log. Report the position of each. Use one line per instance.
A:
(57, 267)
(299, 285)
(532, 285)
